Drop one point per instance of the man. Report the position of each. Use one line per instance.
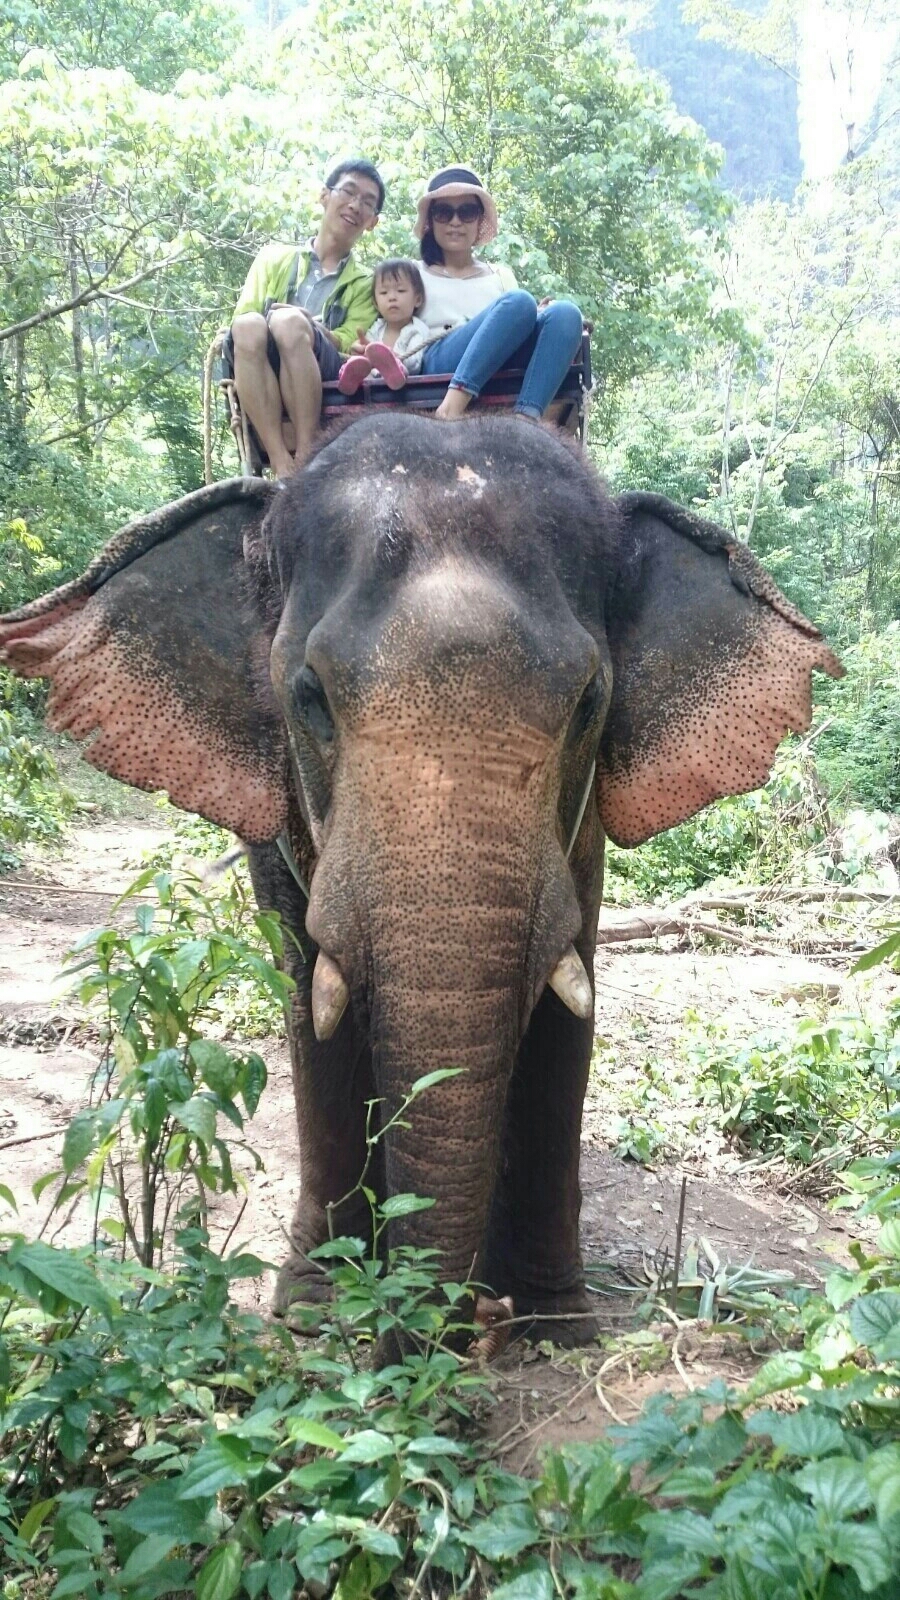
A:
(299, 314)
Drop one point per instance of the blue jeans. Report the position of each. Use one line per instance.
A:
(511, 332)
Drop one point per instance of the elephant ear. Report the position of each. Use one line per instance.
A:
(712, 666)
(158, 657)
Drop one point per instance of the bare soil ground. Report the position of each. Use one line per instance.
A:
(647, 998)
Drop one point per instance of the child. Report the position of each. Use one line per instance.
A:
(396, 341)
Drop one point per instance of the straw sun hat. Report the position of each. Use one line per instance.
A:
(457, 183)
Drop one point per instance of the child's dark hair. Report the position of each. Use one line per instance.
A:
(402, 267)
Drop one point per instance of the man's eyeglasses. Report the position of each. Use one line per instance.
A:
(367, 205)
(469, 211)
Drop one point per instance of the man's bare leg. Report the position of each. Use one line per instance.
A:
(258, 389)
(300, 378)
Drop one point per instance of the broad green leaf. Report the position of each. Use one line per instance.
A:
(79, 1140)
(222, 1463)
(84, 1529)
(34, 1518)
(7, 1196)
(220, 1576)
(303, 1430)
(800, 1433)
(429, 1081)
(217, 1068)
(873, 1316)
(367, 1447)
(147, 1556)
(198, 1116)
(66, 1273)
(157, 1510)
(863, 1547)
(504, 1534)
(534, 1582)
(666, 1579)
(882, 1470)
(837, 1485)
(881, 952)
(889, 1237)
(253, 1082)
(403, 1205)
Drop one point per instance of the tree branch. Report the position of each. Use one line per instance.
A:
(95, 292)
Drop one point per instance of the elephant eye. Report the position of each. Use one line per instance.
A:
(585, 711)
(311, 703)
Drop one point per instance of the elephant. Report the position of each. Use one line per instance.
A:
(423, 679)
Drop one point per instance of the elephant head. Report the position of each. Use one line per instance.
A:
(439, 664)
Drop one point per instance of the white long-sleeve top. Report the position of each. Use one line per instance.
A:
(412, 339)
(449, 302)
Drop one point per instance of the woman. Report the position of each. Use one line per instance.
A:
(492, 323)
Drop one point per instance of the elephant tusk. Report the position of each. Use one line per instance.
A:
(329, 996)
(570, 981)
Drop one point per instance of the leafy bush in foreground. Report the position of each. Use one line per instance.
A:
(155, 1440)
(34, 806)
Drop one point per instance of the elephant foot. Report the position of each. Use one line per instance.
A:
(566, 1318)
(302, 1296)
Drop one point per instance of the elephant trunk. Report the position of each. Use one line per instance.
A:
(457, 1006)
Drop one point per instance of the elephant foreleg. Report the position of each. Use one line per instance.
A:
(532, 1250)
(332, 1083)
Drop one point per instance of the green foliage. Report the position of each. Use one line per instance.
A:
(34, 806)
(603, 193)
(858, 751)
(150, 1140)
(804, 1090)
(156, 1439)
(752, 836)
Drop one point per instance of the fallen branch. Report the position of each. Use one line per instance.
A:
(655, 924)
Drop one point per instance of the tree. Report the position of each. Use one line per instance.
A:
(604, 192)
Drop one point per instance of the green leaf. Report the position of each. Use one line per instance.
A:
(799, 1433)
(534, 1582)
(79, 1140)
(253, 1081)
(156, 1510)
(8, 1197)
(64, 1272)
(220, 1464)
(220, 1576)
(84, 1529)
(217, 1068)
(403, 1205)
(863, 1547)
(882, 1471)
(505, 1533)
(149, 1554)
(303, 1430)
(889, 1238)
(881, 952)
(34, 1518)
(837, 1485)
(440, 1075)
(367, 1446)
(873, 1316)
(198, 1116)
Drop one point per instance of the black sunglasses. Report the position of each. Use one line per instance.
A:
(470, 211)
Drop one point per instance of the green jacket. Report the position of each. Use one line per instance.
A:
(349, 306)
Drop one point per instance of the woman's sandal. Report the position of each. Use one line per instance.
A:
(390, 366)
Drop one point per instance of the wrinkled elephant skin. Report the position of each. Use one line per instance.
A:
(440, 664)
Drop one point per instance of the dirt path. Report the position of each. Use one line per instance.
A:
(630, 1211)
